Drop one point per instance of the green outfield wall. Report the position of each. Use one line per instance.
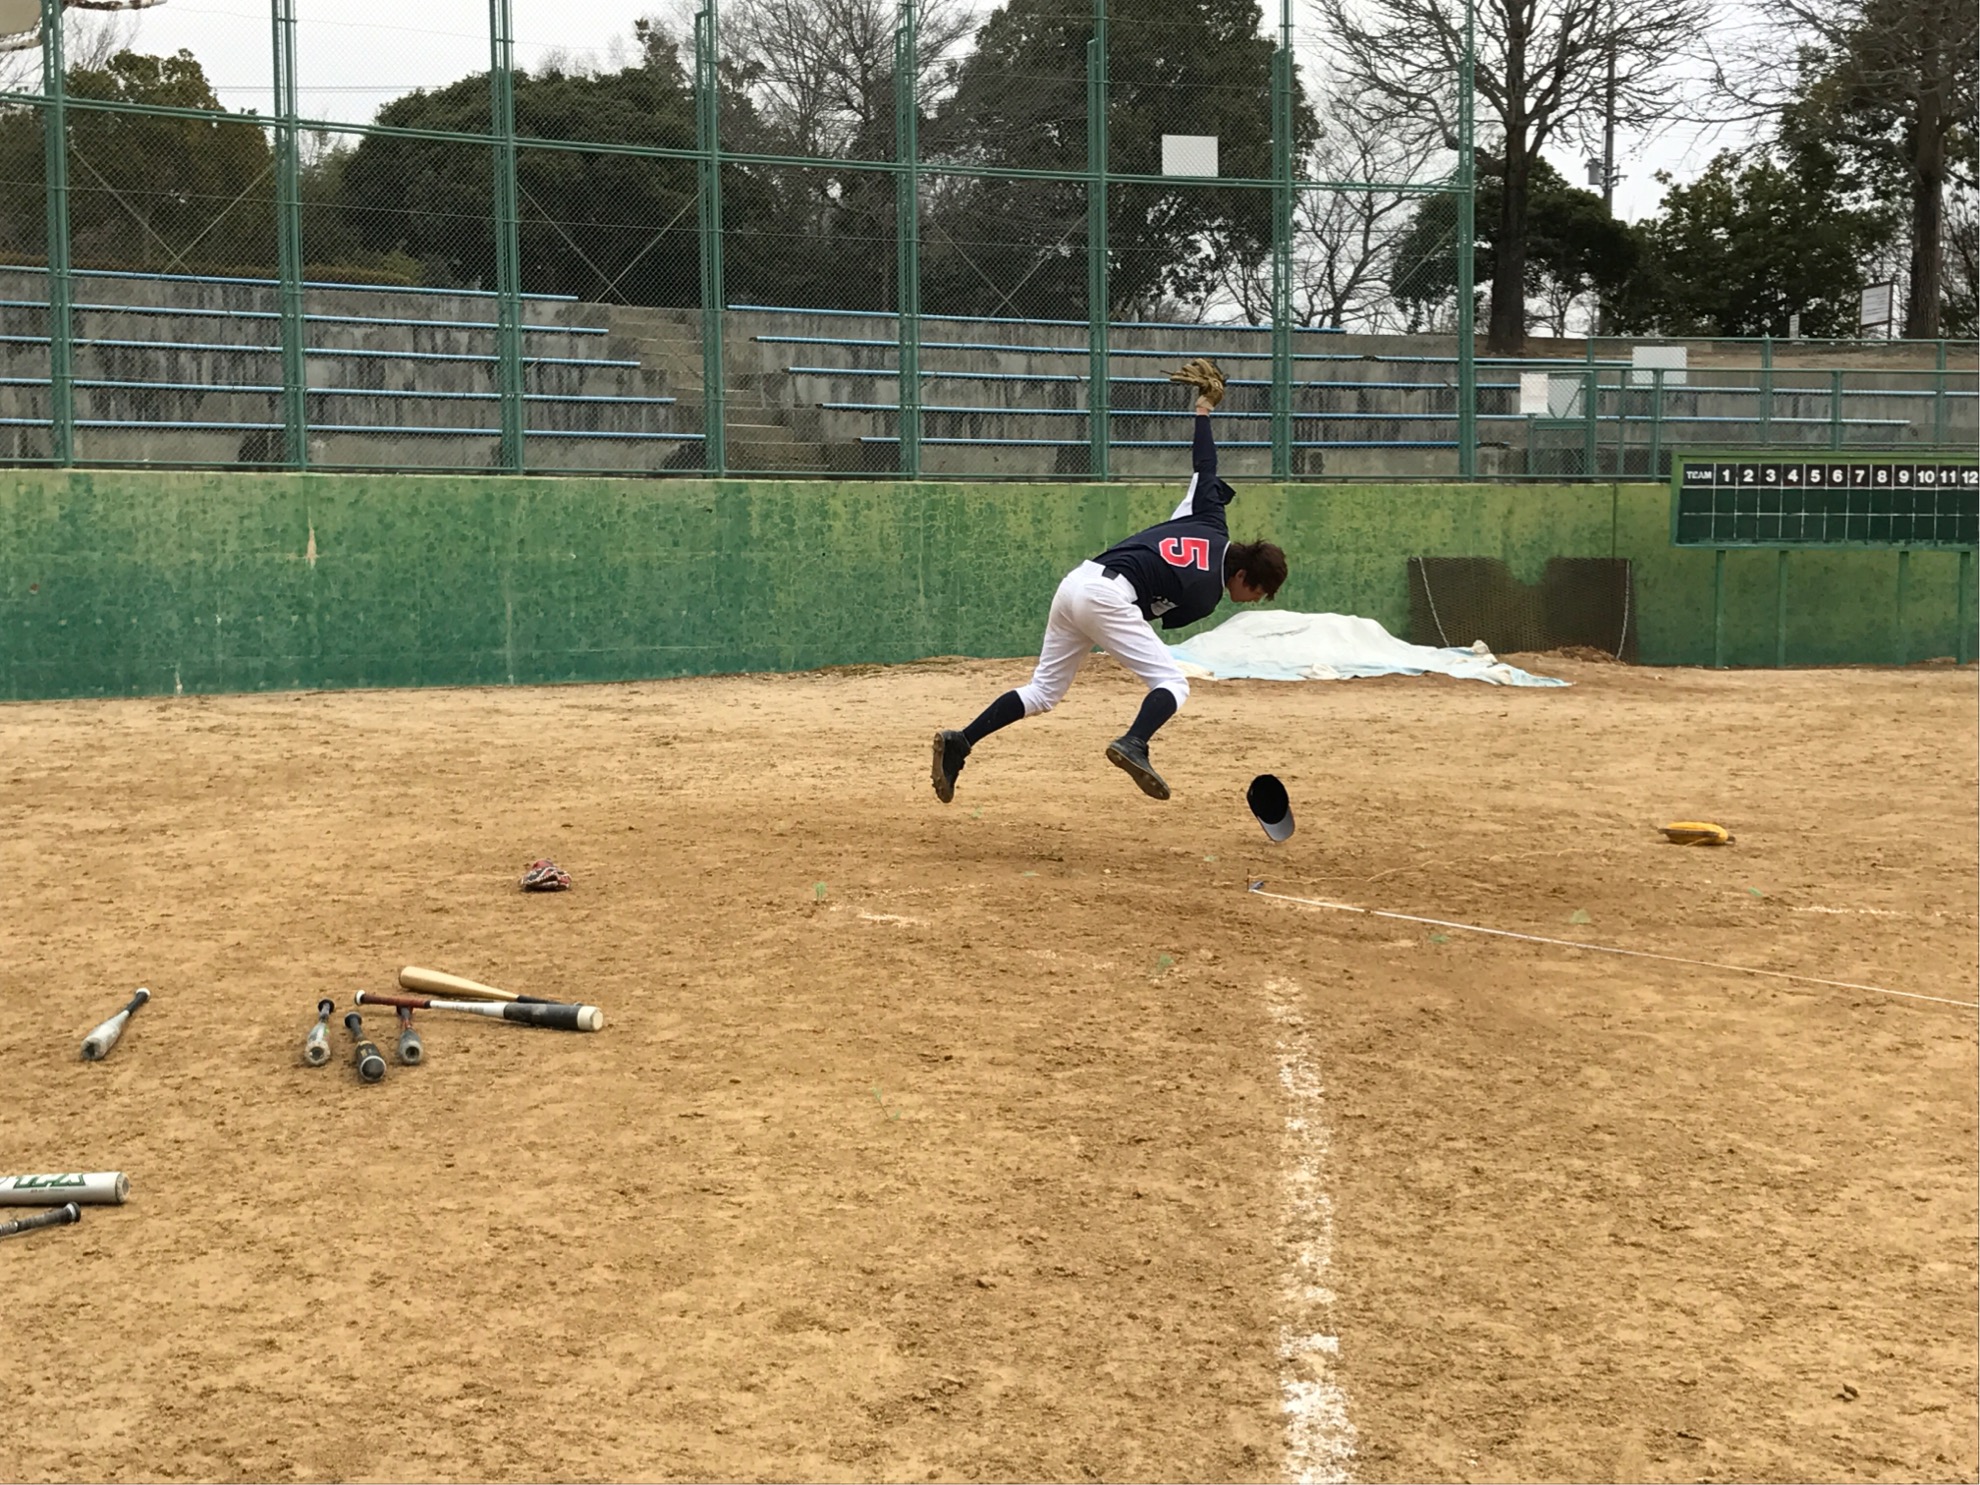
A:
(137, 583)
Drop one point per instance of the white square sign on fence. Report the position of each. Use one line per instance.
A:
(1533, 399)
(1189, 154)
(1567, 395)
(1669, 359)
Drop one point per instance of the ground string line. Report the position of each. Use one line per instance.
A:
(1258, 888)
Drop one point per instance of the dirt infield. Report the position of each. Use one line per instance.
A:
(1012, 1139)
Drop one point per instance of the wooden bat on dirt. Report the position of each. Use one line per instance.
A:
(530, 1013)
(97, 1045)
(54, 1217)
(438, 982)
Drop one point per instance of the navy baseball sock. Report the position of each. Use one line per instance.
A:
(1000, 713)
(1156, 708)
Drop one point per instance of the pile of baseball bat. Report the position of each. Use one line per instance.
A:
(446, 993)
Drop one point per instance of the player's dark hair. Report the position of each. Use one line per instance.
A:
(1262, 563)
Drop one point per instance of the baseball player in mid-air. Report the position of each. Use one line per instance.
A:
(1176, 572)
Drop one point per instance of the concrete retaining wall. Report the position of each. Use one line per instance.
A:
(148, 582)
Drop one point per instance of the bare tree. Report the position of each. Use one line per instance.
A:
(821, 72)
(815, 79)
(90, 38)
(1546, 69)
(1343, 239)
(1889, 82)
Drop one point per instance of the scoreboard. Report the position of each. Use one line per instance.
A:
(1845, 498)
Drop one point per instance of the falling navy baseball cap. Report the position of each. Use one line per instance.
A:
(1270, 803)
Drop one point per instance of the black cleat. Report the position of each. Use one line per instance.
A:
(951, 748)
(1130, 754)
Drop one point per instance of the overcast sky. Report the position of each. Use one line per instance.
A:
(353, 55)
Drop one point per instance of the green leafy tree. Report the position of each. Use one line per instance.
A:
(1750, 243)
(1887, 89)
(597, 224)
(146, 192)
(1572, 247)
(23, 187)
(1018, 247)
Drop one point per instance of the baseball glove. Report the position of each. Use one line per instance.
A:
(545, 876)
(1204, 375)
(1697, 833)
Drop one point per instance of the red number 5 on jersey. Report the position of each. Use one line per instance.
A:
(1186, 551)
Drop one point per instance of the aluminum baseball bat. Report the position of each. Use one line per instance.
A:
(364, 1056)
(103, 1188)
(60, 1216)
(530, 1013)
(438, 982)
(316, 1045)
(412, 1051)
(97, 1045)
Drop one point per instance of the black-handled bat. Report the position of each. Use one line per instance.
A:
(316, 1046)
(529, 1013)
(412, 1051)
(60, 1216)
(97, 1045)
(370, 1066)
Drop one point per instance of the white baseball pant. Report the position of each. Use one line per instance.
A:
(1091, 609)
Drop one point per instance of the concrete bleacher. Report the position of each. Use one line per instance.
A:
(1009, 397)
(187, 369)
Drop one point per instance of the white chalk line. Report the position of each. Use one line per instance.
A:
(1320, 1437)
(1567, 943)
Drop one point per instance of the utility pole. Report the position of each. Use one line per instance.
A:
(1609, 123)
(1602, 324)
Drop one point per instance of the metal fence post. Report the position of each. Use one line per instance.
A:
(1939, 399)
(1903, 645)
(1780, 610)
(508, 250)
(1099, 353)
(714, 413)
(1766, 389)
(1656, 422)
(288, 241)
(1719, 609)
(1467, 364)
(1835, 408)
(1591, 449)
(1282, 215)
(1964, 643)
(61, 287)
(907, 243)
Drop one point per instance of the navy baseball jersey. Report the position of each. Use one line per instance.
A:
(1177, 568)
